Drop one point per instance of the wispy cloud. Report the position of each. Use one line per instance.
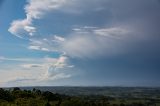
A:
(115, 32)
(2, 58)
(50, 44)
(38, 48)
(34, 71)
(31, 65)
(59, 38)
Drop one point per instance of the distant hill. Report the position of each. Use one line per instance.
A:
(105, 91)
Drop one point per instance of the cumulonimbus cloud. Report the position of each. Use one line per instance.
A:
(84, 41)
(88, 36)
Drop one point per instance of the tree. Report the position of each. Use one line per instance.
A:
(47, 104)
(5, 95)
(16, 89)
(50, 96)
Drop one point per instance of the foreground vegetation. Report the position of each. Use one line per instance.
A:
(35, 97)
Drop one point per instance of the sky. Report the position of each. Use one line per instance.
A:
(79, 43)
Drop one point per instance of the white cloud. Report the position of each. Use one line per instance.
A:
(96, 42)
(38, 48)
(21, 28)
(34, 10)
(59, 69)
(59, 76)
(110, 34)
(71, 66)
(59, 38)
(31, 65)
(45, 49)
(15, 71)
(30, 29)
(34, 47)
(37, 8)
(77, 29)
(2, 58)
(81, 42)
(84, 29)
(114, 32)
(61, 62)
(45, 44)
(17, 59)
(87, 42)
(35, 71)
(50, 44)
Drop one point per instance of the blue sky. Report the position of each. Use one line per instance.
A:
(79, 43)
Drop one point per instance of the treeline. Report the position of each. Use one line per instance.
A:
(35, 97)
